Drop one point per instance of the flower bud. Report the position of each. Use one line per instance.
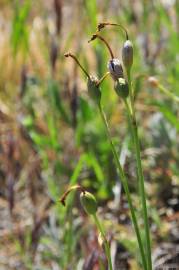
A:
(153, 81)
(127, 54)
(93, 89)
(88, 202)
(115, 68)
(122, 88)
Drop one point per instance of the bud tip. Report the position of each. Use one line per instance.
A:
(94, 36)
(67, 54)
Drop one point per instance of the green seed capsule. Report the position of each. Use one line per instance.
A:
(88, 202)
(122, 88)
(127, 54)
(93, 89)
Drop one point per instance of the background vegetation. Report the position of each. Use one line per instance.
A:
(51, 134)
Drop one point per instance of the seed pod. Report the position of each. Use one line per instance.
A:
(92, 83)
(127, 54)
(115, 68)
(122, 88)
(88, 202)
(93, 89)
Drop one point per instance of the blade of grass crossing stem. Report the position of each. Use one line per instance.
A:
(93, 162)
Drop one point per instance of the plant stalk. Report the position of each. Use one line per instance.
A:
(168, 93)
(134, 129)
(126, 188)
(106, 243)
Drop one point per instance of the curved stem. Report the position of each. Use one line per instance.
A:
(156, 84)
(106, 243)
(168, 93)
(134, 129)
(102, 79)
(102, 25)
(105, 42)
(76, 60)
(125, 186)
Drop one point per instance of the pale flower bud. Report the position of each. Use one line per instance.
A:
(153, 81)
(127, 54)
(115, 68)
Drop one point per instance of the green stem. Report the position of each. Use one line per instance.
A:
(126, 188)
(106, 243)
(131, 96)
(133, 126)
(168, 93)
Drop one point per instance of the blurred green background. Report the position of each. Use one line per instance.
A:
(51, 134)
